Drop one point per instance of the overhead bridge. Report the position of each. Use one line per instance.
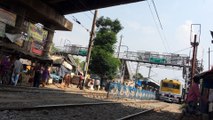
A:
(168, 59)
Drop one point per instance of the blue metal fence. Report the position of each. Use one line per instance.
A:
(122, 91)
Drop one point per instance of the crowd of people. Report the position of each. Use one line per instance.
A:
(13, 72)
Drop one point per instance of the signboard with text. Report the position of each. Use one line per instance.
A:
(157, 58)
(76, 50)
(37, 48)
(37, 33)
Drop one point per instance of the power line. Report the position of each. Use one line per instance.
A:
(157, 27)
(88, 16)
(182, 50)
(156, 11)
(77, 21)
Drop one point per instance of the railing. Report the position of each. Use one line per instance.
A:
(163, 59)
(117, 90)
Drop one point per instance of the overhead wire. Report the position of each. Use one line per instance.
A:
(182, 50)
(77, 21)
(157, 26)
(88, 16)
(156, 11)
(161, 26)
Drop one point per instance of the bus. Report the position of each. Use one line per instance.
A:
(171, 90)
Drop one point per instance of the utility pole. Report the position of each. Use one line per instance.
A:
(92, 33)
(150, 67)
(119, 47)
(136, 73)
(194, 45)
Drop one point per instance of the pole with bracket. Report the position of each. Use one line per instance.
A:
(91, 40)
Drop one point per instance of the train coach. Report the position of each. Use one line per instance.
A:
(171, 90)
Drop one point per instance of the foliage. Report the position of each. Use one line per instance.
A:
(79, 63)
(103, 62)
(106, 35)
(138, 76)
(53, 48)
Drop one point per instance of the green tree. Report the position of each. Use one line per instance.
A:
(53, 48)
(103, 62)
(80, 63)
(138, 76)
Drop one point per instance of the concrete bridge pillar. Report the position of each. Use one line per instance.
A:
(49, 42)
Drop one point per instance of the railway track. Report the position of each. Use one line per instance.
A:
(52, 104)
(36, 90)
(91, 94)
(83, 111)
(141, 113)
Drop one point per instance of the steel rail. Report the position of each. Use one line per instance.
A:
(52, 106)
(44, 90)
(141, 112)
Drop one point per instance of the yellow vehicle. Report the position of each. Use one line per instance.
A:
(171, 90)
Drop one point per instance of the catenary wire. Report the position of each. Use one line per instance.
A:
(156, 12)
(182, 50)
(157, 27)
(77, 21)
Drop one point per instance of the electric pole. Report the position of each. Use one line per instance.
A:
(91, 40)
(136, 72)
(194, 45)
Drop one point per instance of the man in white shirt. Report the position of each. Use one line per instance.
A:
(16, 71)
(97, 84)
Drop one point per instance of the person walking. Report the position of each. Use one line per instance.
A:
(45, 76)
(37, 76)
(81, 78)
(67, 78)
(193, 97)
(16, 70)
(4, 70)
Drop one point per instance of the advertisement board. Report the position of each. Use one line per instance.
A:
(37, 33)
(7, 17)
(156, 58)
(37, 48)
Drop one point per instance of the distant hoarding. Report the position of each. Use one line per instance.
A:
(156, 58)
(76, 50)
(37, 48)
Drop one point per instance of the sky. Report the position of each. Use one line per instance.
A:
(142, 29)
